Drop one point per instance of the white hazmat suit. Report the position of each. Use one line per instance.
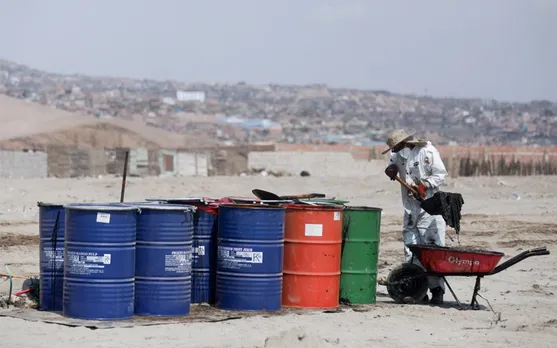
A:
(421, 165)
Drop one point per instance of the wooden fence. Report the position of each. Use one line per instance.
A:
(503, 166)
(463, 160)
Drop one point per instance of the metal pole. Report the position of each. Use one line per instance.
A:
(124, 176)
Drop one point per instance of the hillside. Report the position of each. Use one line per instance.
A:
(26, 124)
(285, 114)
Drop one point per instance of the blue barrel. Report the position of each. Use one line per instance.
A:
(99, 267)
(51, 257)
(250, 244)
(163, 259)
(204, 254)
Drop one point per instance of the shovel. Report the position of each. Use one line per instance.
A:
(269, 196)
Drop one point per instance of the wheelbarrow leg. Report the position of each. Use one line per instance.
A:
(474, 303)
(452, 292)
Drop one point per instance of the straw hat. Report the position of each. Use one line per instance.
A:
(397, 137)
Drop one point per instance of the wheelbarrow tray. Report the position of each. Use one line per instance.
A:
(455, 261)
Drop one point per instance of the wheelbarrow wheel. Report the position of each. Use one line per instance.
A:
(407, 282)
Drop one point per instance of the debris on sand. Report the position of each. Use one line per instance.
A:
(17, 301)
(472, 249)
(13, 239)
(264, 172)
(298, 338)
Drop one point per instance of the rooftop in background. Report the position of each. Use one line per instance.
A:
(249, 123)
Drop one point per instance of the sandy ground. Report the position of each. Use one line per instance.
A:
(523, 297)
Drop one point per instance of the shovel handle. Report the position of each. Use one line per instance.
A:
(410, 188)
(305, 196)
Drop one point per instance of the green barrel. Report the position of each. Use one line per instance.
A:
(360, 251)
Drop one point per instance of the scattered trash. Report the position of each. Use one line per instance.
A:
(264, 172)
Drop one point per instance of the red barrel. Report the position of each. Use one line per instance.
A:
(312, 256)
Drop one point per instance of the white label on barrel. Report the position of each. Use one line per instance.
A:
(178, 262)
(107, 258)
(200, 250)
(314, 230)
(104, 259)
(103, 218)
(239, 257)
(86, 263)
(337, 216)
(53, 257)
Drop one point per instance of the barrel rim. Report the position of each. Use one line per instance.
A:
(240, 198)
(362, 208)
(50, 204)
(134, 203)
(155, 200)
(182, 199)
(313, 207)
(143, 202)
(251, 206)
(165, 206)
(98, 207)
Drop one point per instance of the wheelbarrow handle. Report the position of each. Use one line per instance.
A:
(304, 196)
(520, 257)
(542, 249)
(539, 252)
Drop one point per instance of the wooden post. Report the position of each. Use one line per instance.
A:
(124, 176)
(454, 165)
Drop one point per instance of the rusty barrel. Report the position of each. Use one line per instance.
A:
(312, 256)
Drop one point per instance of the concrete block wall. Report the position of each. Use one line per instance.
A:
(65, 162)
(337, 164)
(23, 165)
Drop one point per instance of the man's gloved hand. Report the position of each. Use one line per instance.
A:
(421, 189)
(392, 171)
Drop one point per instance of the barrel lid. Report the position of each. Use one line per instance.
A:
(250, 206)
(137, 203)
(175, 200)
(363, 208)
(99, 206)
(314, 207)
(244, 200)
(46, 204)
(164, 206)
(274, 201)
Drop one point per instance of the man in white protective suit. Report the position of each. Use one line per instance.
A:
(419, 164)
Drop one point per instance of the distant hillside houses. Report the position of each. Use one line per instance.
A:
(284, 113)
(250, 123)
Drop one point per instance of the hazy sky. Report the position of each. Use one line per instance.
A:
(503, 49)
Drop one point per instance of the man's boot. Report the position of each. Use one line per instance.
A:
(437, 296)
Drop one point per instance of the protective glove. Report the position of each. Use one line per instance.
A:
(421, 189)
(391, 171)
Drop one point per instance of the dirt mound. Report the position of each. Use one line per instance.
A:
(12, 239)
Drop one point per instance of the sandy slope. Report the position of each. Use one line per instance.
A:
(49, 125)
(522, 296)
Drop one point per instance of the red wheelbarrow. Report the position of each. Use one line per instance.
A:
(409, 282)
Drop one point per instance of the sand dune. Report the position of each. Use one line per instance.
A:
(19, 118)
